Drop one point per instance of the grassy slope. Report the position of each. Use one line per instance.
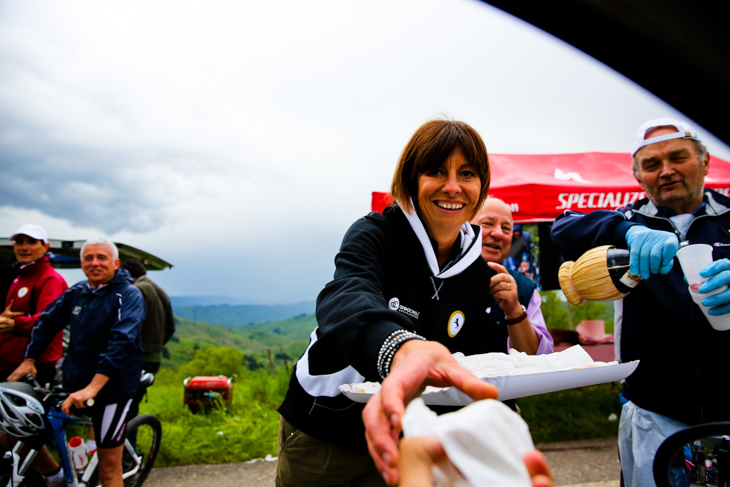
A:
(287, 337)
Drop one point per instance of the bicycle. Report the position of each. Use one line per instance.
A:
(38, 418)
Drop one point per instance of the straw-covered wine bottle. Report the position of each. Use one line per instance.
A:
(601, 274)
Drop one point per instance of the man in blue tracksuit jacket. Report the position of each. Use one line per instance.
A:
(658, 322)
(104, 359)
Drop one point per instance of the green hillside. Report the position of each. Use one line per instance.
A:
(233, 316)
(286, 339)
(296, 328)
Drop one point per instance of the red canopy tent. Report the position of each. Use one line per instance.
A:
(539, 187)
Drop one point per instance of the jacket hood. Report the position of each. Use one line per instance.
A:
(470, 241)
(122, 275)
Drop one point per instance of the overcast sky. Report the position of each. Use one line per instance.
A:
(238, 140)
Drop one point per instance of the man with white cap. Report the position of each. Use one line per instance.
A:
(36, 286)
(658, 323)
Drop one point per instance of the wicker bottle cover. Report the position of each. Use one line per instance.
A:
(601, 274)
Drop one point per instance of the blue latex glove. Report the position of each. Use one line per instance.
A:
(650, 251)
(719, 275)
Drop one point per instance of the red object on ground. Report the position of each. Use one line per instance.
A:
(539, 187)
(207, 390)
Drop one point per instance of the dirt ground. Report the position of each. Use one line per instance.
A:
(590, 463)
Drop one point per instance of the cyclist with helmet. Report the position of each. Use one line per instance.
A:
(104, 360)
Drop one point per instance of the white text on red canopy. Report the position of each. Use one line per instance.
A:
(598, 200)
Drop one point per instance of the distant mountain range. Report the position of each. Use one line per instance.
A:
(234, 316)
(210, 300)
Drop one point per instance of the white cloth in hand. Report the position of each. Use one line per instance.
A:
(486, 441)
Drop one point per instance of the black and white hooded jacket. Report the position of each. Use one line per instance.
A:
(387, 278)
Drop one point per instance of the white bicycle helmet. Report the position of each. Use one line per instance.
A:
(21, 410)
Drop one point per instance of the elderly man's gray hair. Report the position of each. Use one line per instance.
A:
(101, 241)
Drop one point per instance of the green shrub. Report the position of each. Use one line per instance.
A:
(214, 361)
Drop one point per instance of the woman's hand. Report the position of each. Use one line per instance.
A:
(416, 365)
(419, 454)
(504, 289)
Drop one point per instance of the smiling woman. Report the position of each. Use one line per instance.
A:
(410, 288)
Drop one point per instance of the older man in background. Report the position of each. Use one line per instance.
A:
(104, 360)
(159, 323)
(658, 322)
(519, 305)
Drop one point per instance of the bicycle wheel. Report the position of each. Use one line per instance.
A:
(145, 434)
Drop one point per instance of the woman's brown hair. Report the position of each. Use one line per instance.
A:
(430, 146)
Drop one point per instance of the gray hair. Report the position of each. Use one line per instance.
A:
(700, 150)
(101, 241)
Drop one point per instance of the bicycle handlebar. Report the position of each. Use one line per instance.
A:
(146, 380)
(56, 394)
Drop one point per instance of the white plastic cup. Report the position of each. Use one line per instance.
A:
(693, 258)
(719, 323)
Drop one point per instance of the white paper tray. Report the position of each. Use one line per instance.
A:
(513, 386)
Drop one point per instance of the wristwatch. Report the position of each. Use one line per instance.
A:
(514, 321)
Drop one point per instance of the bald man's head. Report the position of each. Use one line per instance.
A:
(495, 218)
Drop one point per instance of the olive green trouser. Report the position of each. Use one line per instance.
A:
(308, 462)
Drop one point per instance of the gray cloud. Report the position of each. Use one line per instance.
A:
(240, 140)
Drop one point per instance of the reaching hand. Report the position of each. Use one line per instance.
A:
(415, 365)
(538, 469)
(650, 251)
(719, 275)
(419, 454)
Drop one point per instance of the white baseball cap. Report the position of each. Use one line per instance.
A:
(31, 230)
(684, 131)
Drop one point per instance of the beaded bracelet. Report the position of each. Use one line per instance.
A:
(390, 346)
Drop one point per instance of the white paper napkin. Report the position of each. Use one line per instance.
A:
(486, 441)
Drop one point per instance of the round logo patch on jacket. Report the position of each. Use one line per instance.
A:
(22, 292)
(456, 323)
